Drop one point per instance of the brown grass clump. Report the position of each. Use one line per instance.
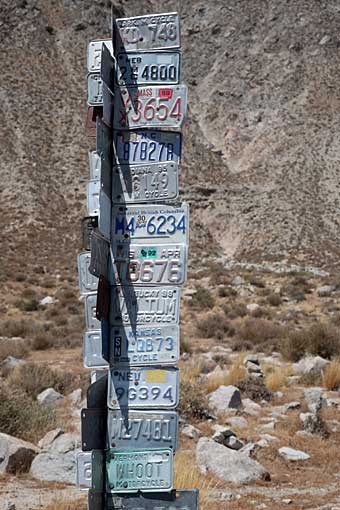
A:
(193, 398)
(331, 376)
(319, 340)
(215, 325)
(276, 379)
(259, 333)
(215, 380)
(202, 299)
(274, 299)
(18, 348)
(59, 503)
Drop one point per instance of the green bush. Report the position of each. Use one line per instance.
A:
(274, 299)
(202, 299)
(193, 400)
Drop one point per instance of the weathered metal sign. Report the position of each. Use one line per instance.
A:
(90, 312)
(93, 351)
(151, 68)
(153, 345)
(93, 429)
(151, 32)
(103, 299)
(97, 391)
(164, 264)
(150, 106)
(128, 429)
(94, 89)
(100, 260)
(174, 500)
(107, 68)
(147, 305)
(88, 224)
(140, 470)
(147, 147)
(87, 282)
(94, 54)
(151, 223)
(143, 388)
(95, 165)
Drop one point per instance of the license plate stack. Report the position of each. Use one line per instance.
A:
(132, 267)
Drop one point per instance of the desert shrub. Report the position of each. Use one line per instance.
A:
(238, 310)
(28, 293)
(297, 288)
(33, 379)
(293, 345)
(23, 417)
(274, 299)
(17, 348)
(319, 340)
(41, 342)
(218, 275)
(193, 400)
(215, 325)
(254, 388)
(331, 376)
(202, 299)
(18, 327)
(256, 282)
(185, 345)
(226, 291)
(311, 379)
(260, 333)
(276, 379)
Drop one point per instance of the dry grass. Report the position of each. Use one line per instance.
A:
(17, 348)
(276, 379)
(215, 380)
(59, 503)
(331, 376)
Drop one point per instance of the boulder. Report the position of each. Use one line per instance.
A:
(191, 432)
(53, 467)
(229, 465)
(11, 362)
(238, 422)
(224, 398)
(75, 396)
(313, 424)
(314, 398)
(234, 443)
(48, 438)
(252, 358)
(252, 307)
(325, 290)
(237, 281)
(65, 443)
(310, 365)
(16, 455)
(49, 397)
(250, 407)
(291, 454)
(222, 434)
(48, 300)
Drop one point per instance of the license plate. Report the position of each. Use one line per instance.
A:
(145, 183)
(143, 147)
(95, 165)
(164, 264)
(157, 106)
(84, 470)
(148, 68)
(143, 388)
(147, 223)
(151, 345)
(148, 305)
(174, 500)
(94, 54)
(90, 312)
(92, 350)
(154, 31)
(129, 429)
(93, 191)
(87, 282)
(94, 89)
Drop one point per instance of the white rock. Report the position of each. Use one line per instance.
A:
(268, 426)
(314, 398)
(291, 454)
(48, 300)
(237, 281)
(251, 307)
(11, 362)
(268, 437)
(234, 443)
(49, 396)
(325, 290)
(238, 422)
(222, 434)
(252, 358)
(262, 443)
(310, 365)
(16, 455)
(9, 505)
(250, 407)
(224, 398)
(229, 465)
(65, 443)
(253, 368)
(191, 432)
(53, 467)
(287, 501)
(75, 396)
(48, 438)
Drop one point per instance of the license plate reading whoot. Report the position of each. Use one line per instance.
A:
(144, 344)
(143, 147)
(148, 68)
(156, 106)
(143, 388)
(128, 429)
(151, 223)
(151, 32)
(150, 264)
(144, 305)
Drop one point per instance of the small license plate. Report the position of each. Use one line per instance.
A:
(145, 183)
(93, 191)
(94, 89)
(154, 106)
(144, 345)
(148, 305)
(94, 54)
(90, 312)
(128, 429)
(87, 282)
(151, 32)
(95, 165)
(143, 147)
(93, 351)
(148, 68)
(143, 388)
(84, 470)
(174, 500)
(164, 264)
(151, 223)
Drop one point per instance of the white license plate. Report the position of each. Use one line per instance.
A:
(94, 54)
(87, 282)
(148, 305)
(95, 165)
(143, 388)
(84, 470)
(151, 345)
(151, 223)
(92, 350)
(144, 147)
(154, 106)
(128, 429)
(94, 89)
(164, 264)
(148, 68)
(90, 312)
(151, 32)
(139, 470)
(92, 192)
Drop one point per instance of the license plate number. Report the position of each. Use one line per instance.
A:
(150, 264)
(140, 224)
(145, 388)
(148, 305)
(128, 429)
(148, 68)
(154, 106)
(142, 147)
(94, 54)
(139, 470)
(151, 345)
(94, 89)
(87, 282)
(155, 31)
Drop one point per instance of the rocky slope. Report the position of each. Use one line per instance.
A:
(261, 148)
